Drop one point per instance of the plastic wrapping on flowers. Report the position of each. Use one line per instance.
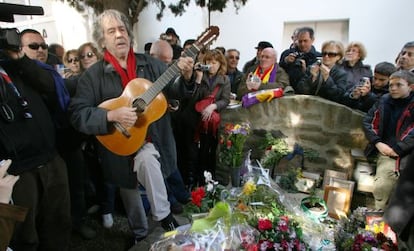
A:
(256, 216)
(214, 232)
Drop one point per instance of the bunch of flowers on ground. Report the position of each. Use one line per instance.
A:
(354, 234)
(278, 230)
(232, 143)
(204, 198)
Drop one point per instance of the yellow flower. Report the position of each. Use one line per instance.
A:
(249, 187)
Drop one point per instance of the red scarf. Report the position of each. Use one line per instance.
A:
(127, 75)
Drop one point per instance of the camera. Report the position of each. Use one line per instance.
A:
(299, 56)
(202, 67)
(9, 39)
(362, 81)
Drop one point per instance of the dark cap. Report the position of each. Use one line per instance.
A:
(263, 44)
(171, 31)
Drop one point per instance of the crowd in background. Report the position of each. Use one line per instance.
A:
(187, 137)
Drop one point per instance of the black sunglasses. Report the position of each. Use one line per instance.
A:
(329, 54)
(89, 55)
(74, 60)
(35, 46)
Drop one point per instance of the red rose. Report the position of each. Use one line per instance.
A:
(264, 224)
(229, 143)
(197, 196)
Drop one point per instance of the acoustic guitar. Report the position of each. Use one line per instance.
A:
(149, 102)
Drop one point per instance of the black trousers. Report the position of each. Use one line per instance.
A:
(44, 190)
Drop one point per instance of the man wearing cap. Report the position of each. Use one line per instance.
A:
(174, 41)
(252, 64)
(295, 59)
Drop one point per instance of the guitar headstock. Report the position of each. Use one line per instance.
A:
(208, 36)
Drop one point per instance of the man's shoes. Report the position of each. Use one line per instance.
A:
(107, 220)
(86, 232)
(169, 223)
(176, 208)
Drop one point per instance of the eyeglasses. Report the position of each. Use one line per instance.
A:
(35, 46)
(234, 57)
(330, 54)
(89, 55)
(74, 60)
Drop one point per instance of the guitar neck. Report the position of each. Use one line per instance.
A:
(167, 76)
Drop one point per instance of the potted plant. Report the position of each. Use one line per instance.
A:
(313, 206)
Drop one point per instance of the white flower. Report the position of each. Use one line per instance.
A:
(208, 177)
(209, 187)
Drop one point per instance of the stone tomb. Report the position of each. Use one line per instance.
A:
(327, 127)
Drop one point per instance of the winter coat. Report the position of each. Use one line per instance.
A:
(101, 82)
(400, 207)
(332, 89)
(28, 142)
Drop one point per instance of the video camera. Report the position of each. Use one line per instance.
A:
(10, 37)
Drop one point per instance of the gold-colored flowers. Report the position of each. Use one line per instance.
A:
(249, 188)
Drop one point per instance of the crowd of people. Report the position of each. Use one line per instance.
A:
(60, 171)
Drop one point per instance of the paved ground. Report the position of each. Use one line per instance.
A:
(119, 237)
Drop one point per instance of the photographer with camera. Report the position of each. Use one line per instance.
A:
(267, 75)
(28, 98)
(296, 59)
(325, 78)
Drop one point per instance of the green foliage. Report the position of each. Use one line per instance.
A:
(231, 144)
(212, 5)
(275, 149)
(288, 181)
(132, 8)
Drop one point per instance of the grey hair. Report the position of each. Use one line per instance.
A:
(98, 32)
(408, 45)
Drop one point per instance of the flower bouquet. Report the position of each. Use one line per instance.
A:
(278, 230)
(356, 233)
(231, 146)
(232, 143)
(205, 197)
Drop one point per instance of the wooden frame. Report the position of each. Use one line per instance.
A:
(338, 201)
(347, 184)
(332, 173)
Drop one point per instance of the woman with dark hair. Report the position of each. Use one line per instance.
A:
(71, 62)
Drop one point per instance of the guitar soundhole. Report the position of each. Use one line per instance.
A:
(139, 104)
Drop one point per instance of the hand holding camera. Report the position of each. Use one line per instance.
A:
(253, 82)
(361, 89)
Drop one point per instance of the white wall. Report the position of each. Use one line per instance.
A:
(383, 26)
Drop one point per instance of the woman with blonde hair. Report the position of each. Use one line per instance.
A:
(355, 53)
(326, 78)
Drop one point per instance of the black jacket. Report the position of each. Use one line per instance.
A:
(295, 70)
(101, 82)
(332, 89)
(28, 142)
